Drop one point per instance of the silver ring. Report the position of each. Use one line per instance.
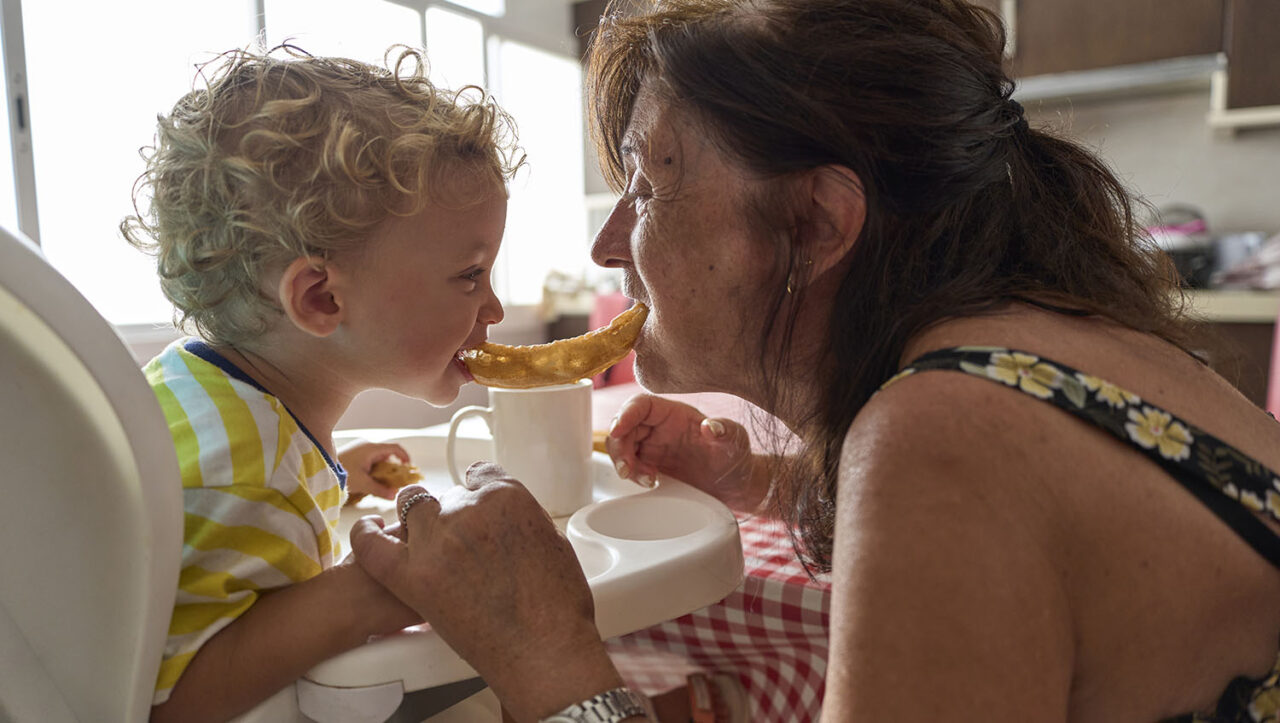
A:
(410, 501)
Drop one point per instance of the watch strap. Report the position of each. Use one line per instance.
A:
(610, 706)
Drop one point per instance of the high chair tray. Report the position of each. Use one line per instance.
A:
(648, 555)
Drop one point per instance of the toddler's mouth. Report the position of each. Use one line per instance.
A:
(457, 359)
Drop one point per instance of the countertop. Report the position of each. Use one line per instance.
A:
(1236, 306)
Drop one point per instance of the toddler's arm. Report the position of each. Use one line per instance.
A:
(283, 635)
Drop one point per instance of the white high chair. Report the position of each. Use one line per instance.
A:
(91, 540)
(91, 520)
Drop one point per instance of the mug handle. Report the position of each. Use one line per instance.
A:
(458, 416)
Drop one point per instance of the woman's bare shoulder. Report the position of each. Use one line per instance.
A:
(940, 420)
(948, 451)
(1153, 369)
(969, 483)
(943, 564)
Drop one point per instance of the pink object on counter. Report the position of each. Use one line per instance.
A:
(1190, 227)
(606, 307)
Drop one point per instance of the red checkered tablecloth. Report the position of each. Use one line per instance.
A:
(771, 632)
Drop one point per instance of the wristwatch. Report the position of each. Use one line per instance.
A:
(610, 706)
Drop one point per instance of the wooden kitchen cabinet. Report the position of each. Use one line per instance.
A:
(1067, 36)
(1238, 336)
(1253, 53)
(1060, 36)
(586, 17)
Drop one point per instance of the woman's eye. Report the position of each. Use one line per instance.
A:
(639, 189)
(640, 194)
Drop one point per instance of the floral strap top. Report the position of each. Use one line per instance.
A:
(1234, 486)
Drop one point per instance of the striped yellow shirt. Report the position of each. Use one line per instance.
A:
(261, 497)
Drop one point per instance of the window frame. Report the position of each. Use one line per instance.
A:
(16, 98)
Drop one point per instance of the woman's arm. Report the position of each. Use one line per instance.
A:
(949, 601)
(282, 636)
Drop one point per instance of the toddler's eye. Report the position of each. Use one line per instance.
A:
(473, 274)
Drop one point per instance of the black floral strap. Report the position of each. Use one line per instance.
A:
(1231, 484)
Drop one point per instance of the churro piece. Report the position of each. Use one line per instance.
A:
(598, 436)
(393, 473)
(560, 362)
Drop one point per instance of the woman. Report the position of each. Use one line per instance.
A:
(1078, 522)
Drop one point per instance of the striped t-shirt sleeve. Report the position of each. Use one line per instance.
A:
(258, 499)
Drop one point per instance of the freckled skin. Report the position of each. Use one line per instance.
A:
(688, 252)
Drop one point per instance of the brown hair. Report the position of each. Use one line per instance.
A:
(967, 207)
(285, 155)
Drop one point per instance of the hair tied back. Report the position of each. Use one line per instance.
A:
(1019, 116)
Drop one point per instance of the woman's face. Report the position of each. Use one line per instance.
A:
(684, 243)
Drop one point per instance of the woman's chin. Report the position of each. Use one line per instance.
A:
(651, 376)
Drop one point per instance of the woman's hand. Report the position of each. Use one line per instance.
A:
(378, 610)
(358, 459)
(491, 574)
(653, 435)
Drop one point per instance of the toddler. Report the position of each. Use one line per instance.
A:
(322, 227)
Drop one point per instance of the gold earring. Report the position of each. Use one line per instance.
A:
(790, 276)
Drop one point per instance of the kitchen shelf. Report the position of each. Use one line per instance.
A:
(1123, 80)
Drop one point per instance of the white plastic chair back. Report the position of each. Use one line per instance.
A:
(91, 510)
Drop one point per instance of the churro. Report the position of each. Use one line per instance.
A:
(559, 362)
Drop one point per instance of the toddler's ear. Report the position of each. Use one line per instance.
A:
(306, 293)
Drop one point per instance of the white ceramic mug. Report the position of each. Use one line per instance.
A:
(542, 437)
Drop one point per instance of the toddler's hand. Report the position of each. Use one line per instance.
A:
(358, 459)
(653, 435)
(485, 566)
(378, 608)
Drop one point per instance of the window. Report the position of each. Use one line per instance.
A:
(361, 30)
(96, 78)
(457, 52)
(99, 73)
(496, 8)
(546, 226)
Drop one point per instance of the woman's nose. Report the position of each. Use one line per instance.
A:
(612, 247)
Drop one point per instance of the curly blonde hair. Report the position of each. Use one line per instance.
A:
(277, 158)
